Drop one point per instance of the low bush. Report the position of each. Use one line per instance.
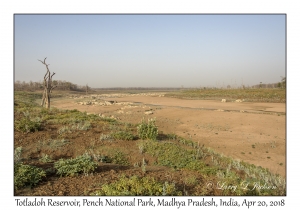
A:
(148, 130)
(27, 125)
(120, 158)
(45, 159)
(71, 167)
(135, 186)
(26, 175)
(123, 135)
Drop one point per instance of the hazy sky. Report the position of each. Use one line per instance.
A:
(151, 50)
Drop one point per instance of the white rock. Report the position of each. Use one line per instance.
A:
(148, 112)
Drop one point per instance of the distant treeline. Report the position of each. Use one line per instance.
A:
(60, 85)
(272, 85)
(65, 85)
(139, 88)
(281, 84)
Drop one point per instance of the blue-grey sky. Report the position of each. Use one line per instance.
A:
(151, 50)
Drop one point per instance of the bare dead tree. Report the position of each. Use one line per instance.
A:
(48, 86)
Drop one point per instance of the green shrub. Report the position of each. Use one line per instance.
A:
(120, 158)
(123, 135)
(27, 125)
(147, 130)
(135, 186)
(45, 159)
(172, 136)
(187, 142)
(70, 167)
(27, 175)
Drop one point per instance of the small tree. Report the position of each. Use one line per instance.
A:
(48, 86)
(283, 81)
(87, 89)
(279, 84)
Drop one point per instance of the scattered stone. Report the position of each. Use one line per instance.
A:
(148, 112)
(108, 103)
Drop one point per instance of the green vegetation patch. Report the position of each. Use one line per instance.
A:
(27, 125)
(26, 175)
(173, 155)
(147, 130)
(23, 98)
(257, 94)
(45, 158)
(70, 167)
(69, 116)
(123, 135)
(25, 105)
(135, 186)
(215, 166)
(120, 158)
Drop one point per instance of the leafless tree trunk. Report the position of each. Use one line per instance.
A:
(48, 86)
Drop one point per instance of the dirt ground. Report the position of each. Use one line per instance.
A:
(252, 132)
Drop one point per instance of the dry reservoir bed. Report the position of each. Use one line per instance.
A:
(252, 132)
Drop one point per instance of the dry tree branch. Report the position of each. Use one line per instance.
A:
(48, 87)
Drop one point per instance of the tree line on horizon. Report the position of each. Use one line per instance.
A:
(60, 85)
(69, 86)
